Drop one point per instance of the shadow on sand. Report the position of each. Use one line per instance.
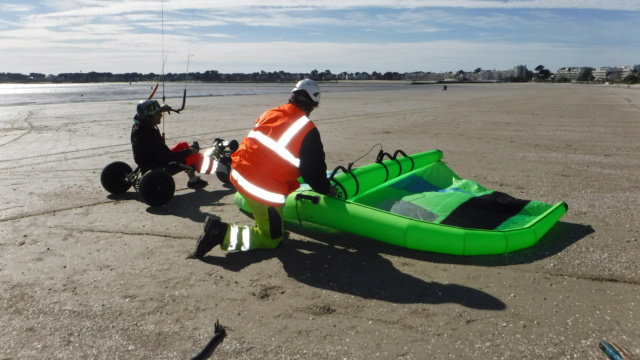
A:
(352, 264)
(363, 273)
(561, 236)
(187, 205)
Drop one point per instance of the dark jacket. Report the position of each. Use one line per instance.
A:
(312, 163)
(149, 148)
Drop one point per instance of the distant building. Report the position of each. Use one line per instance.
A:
(520, 72)
(415, 76)
(571, 73)
(624, 71)
(434, 77)
(615, 74)
(604, 74)
(488, 75)
(361, 76)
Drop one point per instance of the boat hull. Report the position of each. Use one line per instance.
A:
(416, 201)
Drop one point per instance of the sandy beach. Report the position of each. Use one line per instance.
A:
(88, 275)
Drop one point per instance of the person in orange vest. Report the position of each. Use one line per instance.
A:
(150, 150)
(282, 146)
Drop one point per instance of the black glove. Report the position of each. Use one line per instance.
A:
(333, 191)
(195, 145)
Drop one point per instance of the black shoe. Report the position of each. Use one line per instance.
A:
(214, 232)
(198, 184)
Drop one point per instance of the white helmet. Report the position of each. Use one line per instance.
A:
(311, 87)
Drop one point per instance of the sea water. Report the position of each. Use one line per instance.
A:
(36, 94)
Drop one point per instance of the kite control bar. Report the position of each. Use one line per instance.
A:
(184, 101)
(184, 98)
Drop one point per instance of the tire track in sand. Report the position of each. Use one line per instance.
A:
(13, 127)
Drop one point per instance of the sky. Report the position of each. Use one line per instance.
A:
(247, 36)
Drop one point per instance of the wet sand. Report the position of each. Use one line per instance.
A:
(88, 275)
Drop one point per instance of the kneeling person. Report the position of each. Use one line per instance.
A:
(282, 146)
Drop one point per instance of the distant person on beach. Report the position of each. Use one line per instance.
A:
(282, 146)
(150, 150)
(444, 88)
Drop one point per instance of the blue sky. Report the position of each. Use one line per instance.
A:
(57, 36)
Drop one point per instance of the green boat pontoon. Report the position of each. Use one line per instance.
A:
(416, 201)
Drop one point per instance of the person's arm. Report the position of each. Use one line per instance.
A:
(161, 152)
(312, 163)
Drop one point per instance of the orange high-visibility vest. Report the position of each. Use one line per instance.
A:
(266, 165)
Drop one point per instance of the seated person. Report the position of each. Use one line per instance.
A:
(150, 150)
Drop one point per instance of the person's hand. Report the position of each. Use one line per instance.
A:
(165, 108)
(333, 191)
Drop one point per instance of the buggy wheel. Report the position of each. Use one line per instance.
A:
(223, 171)
(156, 187)
(114, 177)
(223, 177)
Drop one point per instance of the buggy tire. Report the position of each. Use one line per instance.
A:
(223, 177)
(114, 177)
(156, 187)
(223, 171)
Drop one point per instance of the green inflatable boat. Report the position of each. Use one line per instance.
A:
(416, 201)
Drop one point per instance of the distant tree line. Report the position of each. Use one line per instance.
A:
(521, 74)
(207, 76)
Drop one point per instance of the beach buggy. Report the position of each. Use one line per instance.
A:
(157, 163)
(157, 186)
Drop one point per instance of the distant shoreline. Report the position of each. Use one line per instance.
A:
(196, 81)
(376, 81)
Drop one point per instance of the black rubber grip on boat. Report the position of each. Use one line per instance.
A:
(314, 199)
(355, 179)
(395, 156)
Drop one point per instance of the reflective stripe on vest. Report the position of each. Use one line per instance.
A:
(280, 146)
(257, 191)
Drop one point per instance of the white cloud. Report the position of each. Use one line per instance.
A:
(15, 8)
(128, 55)
(95, 9)
(628, 5)
(247, 35)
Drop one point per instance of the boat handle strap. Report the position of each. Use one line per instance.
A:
(313, 198)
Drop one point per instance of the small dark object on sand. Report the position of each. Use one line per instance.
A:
(217, 338)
